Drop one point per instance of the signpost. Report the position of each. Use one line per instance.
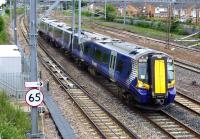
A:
(34, 97)
(34, 84)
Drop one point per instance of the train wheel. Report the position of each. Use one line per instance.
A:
(92, 71)
(129, 100)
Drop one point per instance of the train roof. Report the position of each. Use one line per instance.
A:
(129, 49)
(60, 25)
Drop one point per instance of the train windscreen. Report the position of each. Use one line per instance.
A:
(170, 71)
(143, 72)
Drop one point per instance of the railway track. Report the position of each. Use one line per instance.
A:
(168, 124)
(106, 124)
(62, 126)
(103, 121)
(165, 122)
(171, 126)
(130, 34)
(187, 102)
(187, 66)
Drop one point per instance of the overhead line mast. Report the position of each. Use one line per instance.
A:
(33, 64)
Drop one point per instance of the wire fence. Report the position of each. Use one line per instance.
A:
(13, 84)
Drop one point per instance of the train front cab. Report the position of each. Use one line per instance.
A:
(156, 80)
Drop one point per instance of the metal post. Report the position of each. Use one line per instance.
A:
(169, 23)
(124, 11)
(33, 56)
(15, 22)
(105, 9)
(93, 10)
(25, 9)
(79, 20)
(73, 22)
(11, 13)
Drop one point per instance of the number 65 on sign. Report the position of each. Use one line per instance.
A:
(34, 97)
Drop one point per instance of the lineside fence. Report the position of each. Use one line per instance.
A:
(13, 84)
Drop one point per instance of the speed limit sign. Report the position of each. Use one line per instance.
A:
(34, 97)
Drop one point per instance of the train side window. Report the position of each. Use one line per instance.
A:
(86, 50)
(170, 70)
(129, 69)
(56, 32)
(98, 55)
(105, 58)
(45, 27)
(91, 51)
(41, 25)
(119, 67)
(66, 36)
(50, 28)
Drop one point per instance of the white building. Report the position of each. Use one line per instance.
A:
(2, 2)
(10, 59)
(11, 79)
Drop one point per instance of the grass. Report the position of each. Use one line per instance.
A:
(3, 33)
(142, 31)
(20, 11)
(161, 35)
(153, 33)
(13, 122)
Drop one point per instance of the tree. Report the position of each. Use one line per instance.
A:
(110, 12)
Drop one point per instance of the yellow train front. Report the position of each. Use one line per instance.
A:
(155, 85)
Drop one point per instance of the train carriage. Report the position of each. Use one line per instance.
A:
(146, 75)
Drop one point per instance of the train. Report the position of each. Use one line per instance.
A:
(146, 76)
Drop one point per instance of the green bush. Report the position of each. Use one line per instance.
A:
(13, 122)
(86, 13)
(3, 38)
(176, 26)
(7, 11)
(110, 12)
(180, 31)
(144, 24)
(2, 24)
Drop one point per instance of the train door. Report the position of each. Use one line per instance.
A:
(159, 76)
(113, 59)
(81, 49)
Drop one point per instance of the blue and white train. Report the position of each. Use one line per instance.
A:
(146, 76)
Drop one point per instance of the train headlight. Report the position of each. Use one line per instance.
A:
(143, 85)
(171, 84)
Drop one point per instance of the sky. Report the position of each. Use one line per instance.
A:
(2, 2)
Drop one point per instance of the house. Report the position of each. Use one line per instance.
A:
(150, 10)
(137, 9)
(161, 11)
(131, 10)
(184, 12)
